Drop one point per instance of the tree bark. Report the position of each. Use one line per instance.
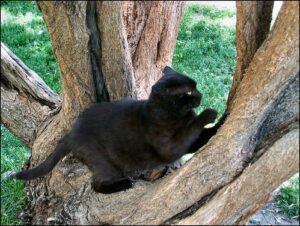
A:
(254, 184)
(110, 50)
(116, 60)
(156, 43)
(25, 94)
(252, 27)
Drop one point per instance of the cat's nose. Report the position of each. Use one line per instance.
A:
(196, 98)
(197, 95)
(200, 95)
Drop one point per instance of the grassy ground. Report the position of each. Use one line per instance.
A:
(13, 154)
(288, 198)
(205, 51)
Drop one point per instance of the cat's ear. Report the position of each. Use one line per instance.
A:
(168, 71)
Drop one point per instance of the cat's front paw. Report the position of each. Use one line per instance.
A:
(209, 115)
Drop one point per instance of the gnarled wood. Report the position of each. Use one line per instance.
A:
(72, 43)
(26, 101)
(135, 15)
(18, 75)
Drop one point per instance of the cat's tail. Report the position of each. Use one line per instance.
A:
(45, 167)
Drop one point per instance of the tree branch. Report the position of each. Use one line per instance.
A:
(16, 74)
(252, 27)
(278, 164)
(227, 153)
(26, 101)
(282, 118)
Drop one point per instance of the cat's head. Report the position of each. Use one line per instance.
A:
(175, 92)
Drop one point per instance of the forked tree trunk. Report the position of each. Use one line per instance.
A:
(110, 50)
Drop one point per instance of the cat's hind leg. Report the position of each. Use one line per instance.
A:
(112, 186)
(108, 178)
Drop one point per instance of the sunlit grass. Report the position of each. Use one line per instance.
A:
(24, 32)
(8, 18)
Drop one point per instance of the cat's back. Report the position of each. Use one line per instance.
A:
(108, 118)
(111, 110)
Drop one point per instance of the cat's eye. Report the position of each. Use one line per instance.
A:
(189, 93)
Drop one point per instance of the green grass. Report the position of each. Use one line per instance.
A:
(24, 32)
(205, 51)
(288, 198)
(209, 12)
(13, 155)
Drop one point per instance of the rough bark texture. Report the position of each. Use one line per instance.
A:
(256, 181)
(25, 94)
(156, 43)
(135, 15)
(67, 23)
(252, 27)
(250, 148)
(138, 45)
(116, 60)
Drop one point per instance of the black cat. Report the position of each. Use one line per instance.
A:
(116, 139)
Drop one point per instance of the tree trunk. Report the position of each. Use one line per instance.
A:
(109, 50)
(252, 27)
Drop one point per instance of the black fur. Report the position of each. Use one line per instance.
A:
(117, 139)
